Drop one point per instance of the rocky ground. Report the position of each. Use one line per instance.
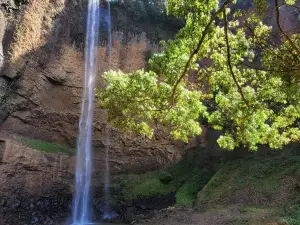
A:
(233, 215)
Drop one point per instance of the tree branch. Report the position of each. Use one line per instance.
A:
(205, 32)
(289, 60)
(229, 59)
(266, 69)
(282, 31)
(294, 6)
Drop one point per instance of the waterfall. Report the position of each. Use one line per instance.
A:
(81, 205)
(109, 39)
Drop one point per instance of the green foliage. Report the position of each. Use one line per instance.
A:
(261, 6)
(153, 187)
(240, 221)
(264, 178)
(290, 2)
(188, 177)
(253, 85)
(47, 146)
(149, 105)
(291, 215)
(165, 177)
(187, 193)
(142, 9)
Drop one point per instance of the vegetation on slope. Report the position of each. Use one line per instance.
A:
(252, 190)
(268, 186)
(182, 180)
(291, 215)
(257, 181)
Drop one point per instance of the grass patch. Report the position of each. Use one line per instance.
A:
(47, 146)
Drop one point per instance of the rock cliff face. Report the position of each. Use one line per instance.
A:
(33, 184)
(40, 96)
(43, 79)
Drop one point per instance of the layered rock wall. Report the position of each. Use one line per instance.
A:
(43, 79)
(41, 85)
(33, 184)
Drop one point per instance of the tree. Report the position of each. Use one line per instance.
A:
(249, 91)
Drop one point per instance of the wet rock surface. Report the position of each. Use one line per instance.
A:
(130, 211)
(29, 211)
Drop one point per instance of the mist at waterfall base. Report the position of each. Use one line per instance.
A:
(82, 209)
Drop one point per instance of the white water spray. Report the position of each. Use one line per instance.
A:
(81, 205)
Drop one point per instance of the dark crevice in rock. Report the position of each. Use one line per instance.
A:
(72, 86)
(5, 106)
(19, 118)
(31, 168)
(60, 83)
(26, 98)
(54, 80)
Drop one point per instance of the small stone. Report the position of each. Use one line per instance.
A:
(59, 76)
(3, 202)
(165, 177)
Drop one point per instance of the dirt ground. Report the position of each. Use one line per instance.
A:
(228, 216)
(232, 215)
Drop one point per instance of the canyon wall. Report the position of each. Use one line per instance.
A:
(42, 81)
(41, 84)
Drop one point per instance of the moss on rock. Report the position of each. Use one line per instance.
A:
(181, 181)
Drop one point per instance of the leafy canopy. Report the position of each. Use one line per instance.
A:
(247, 86)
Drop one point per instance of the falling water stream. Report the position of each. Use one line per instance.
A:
(81, 207)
